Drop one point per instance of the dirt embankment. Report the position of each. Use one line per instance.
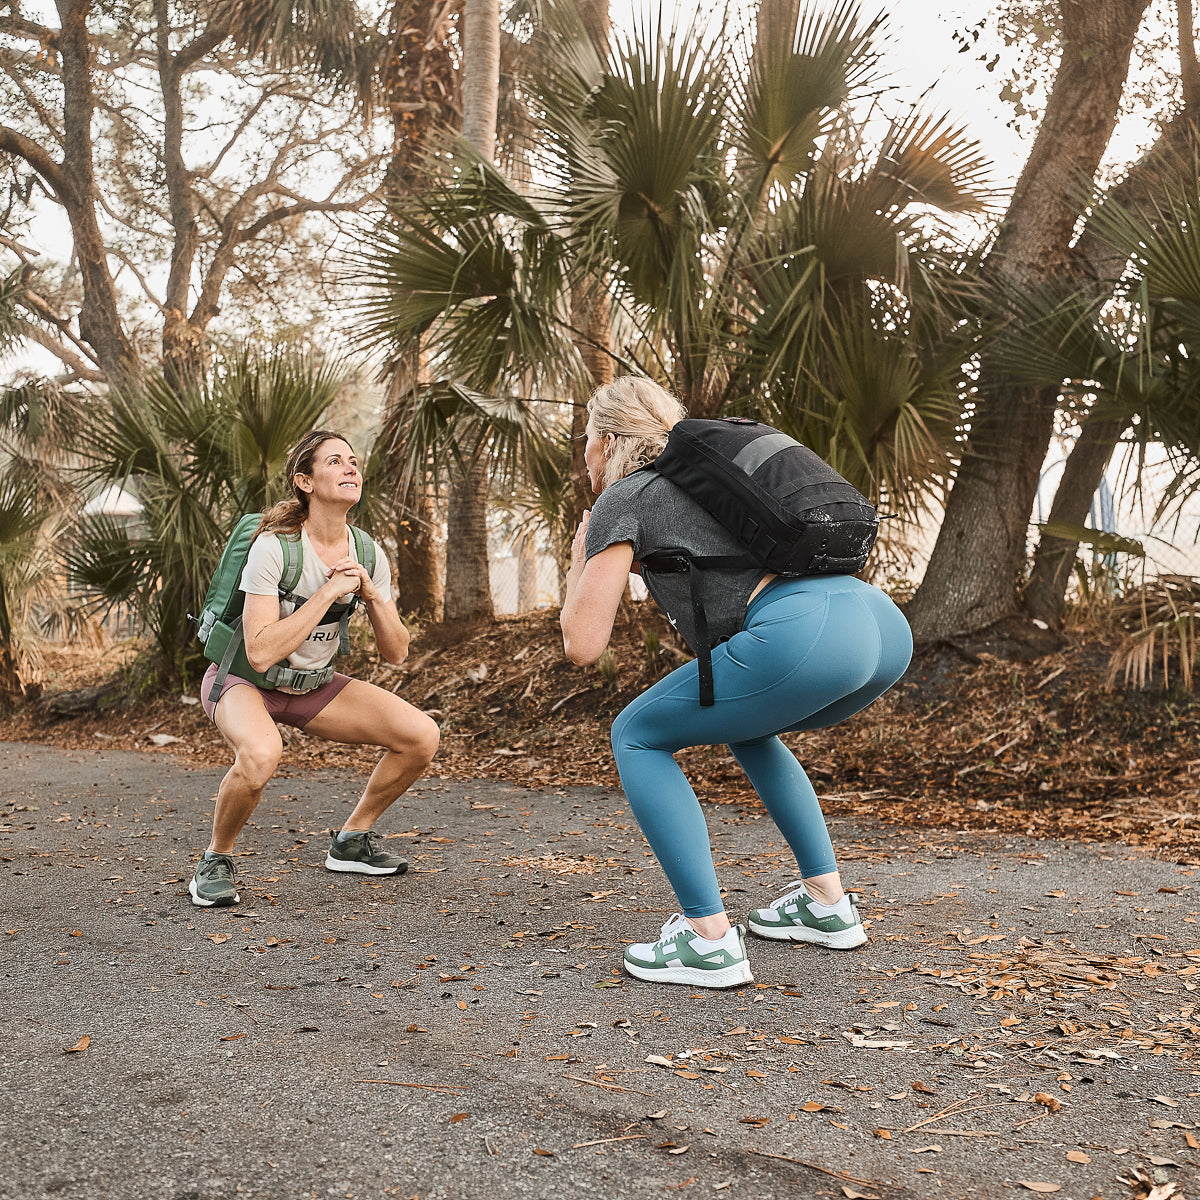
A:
(1033, 747)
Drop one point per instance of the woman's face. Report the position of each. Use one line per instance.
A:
(593, 457)
(335, 477)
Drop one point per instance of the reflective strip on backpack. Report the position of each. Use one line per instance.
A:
(753, 454)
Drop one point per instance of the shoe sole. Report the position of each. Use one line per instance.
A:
(361, 868)
(726, 977)
(845, 939)
(199, 902)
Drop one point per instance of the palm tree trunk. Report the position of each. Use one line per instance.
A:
(527, 574)
(591, 315)
(468, 586)
(418, 558)
(978, 562)
(422, 94)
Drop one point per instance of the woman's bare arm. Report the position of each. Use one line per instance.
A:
(594, 587)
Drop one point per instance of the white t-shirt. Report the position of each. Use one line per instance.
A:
(264, 570)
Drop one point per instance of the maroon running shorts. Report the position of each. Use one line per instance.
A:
(285, 707)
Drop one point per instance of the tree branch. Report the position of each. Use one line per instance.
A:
(12, 142)
(197, 48)
(67, 357)
(18, 26)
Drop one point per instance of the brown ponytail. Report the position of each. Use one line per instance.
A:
(288, 515)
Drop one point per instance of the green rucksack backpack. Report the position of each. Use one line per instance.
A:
(219, 625)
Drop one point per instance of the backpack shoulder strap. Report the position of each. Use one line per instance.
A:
(364, 549)
(293, 564)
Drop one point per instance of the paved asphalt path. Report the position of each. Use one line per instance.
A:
(464, 1030)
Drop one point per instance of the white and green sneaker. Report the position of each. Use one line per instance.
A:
(681, 955)
(797, 917)
(361, 854)
(213, 884)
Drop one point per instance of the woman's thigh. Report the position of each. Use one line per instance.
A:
(242, 718)
(803, 657)
(362, 714)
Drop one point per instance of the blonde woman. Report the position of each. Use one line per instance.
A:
(794, 654)
(304, 632)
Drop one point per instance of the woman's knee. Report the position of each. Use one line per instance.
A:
(256, 763)
(417, 739)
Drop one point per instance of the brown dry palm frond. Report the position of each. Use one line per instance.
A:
(1161, 620)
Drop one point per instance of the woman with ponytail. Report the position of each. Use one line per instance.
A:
(794, 654)
(304, 633)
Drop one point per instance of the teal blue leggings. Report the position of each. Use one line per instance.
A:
(811, 652)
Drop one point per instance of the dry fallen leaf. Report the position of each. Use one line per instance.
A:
(926, 1150)
(813, 1106)
(886, 1134)
(1033, 1186)
(1078, 1156)
(853, 1194)
(543, 1153)
(918, 1086)
(217, 938)
(456, 1117)
(1053, 1103)
(1165, 1100)
(232, 1037)
(80, 1046)
(658, 1116)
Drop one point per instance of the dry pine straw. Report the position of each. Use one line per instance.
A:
(1034, 748)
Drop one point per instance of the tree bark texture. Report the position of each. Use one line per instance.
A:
(978, 561)
(468, 586)
(481, 74)
(421, 85)
(1047, 587)
(1102, 266)
(527, 574)
(99, 315)
(422, 96)
(418, 560)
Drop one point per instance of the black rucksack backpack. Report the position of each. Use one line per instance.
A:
(791, 510)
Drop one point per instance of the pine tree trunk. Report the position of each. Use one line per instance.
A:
(978, 561)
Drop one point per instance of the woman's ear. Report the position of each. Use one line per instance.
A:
(303, 482)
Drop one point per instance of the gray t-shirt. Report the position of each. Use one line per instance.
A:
(654, 514)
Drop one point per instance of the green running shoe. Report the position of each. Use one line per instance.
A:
(681, 955)
(212, 884)
(791, 918)
(361, 855)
